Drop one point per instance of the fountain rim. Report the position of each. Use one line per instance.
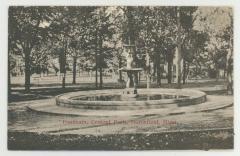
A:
(193, 97)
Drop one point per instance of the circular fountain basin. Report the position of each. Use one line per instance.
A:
(146, 99)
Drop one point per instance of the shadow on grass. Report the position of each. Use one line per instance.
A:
(51, 91)
(203, 140)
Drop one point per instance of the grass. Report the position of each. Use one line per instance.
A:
(203, 140)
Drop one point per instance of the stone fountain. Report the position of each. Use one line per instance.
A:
(130, 98)
(132, 72)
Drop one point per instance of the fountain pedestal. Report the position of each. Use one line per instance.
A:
(131, 90)
(132, 72)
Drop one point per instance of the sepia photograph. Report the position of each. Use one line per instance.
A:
(120, 78)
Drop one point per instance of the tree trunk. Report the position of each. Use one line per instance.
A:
(179, 53)
(101, 60)
(101, 76)
(184, 71)
(139, 77)
(154, 70)
(74, 69)
(96, 71)
(187, 72)
(96, 58)
(217, 74)
(229, 83)
(64, 80)
(9, 73)
(27, 70)
(158, 72)
(64, 60)
(136, 66)
(120, 66)
(229, 75)
(224, 73)
(169, 76)
(120, 76)
(148, 69)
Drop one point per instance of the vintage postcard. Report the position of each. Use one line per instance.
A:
(120, 77)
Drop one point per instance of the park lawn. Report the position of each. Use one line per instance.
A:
(203, 140)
